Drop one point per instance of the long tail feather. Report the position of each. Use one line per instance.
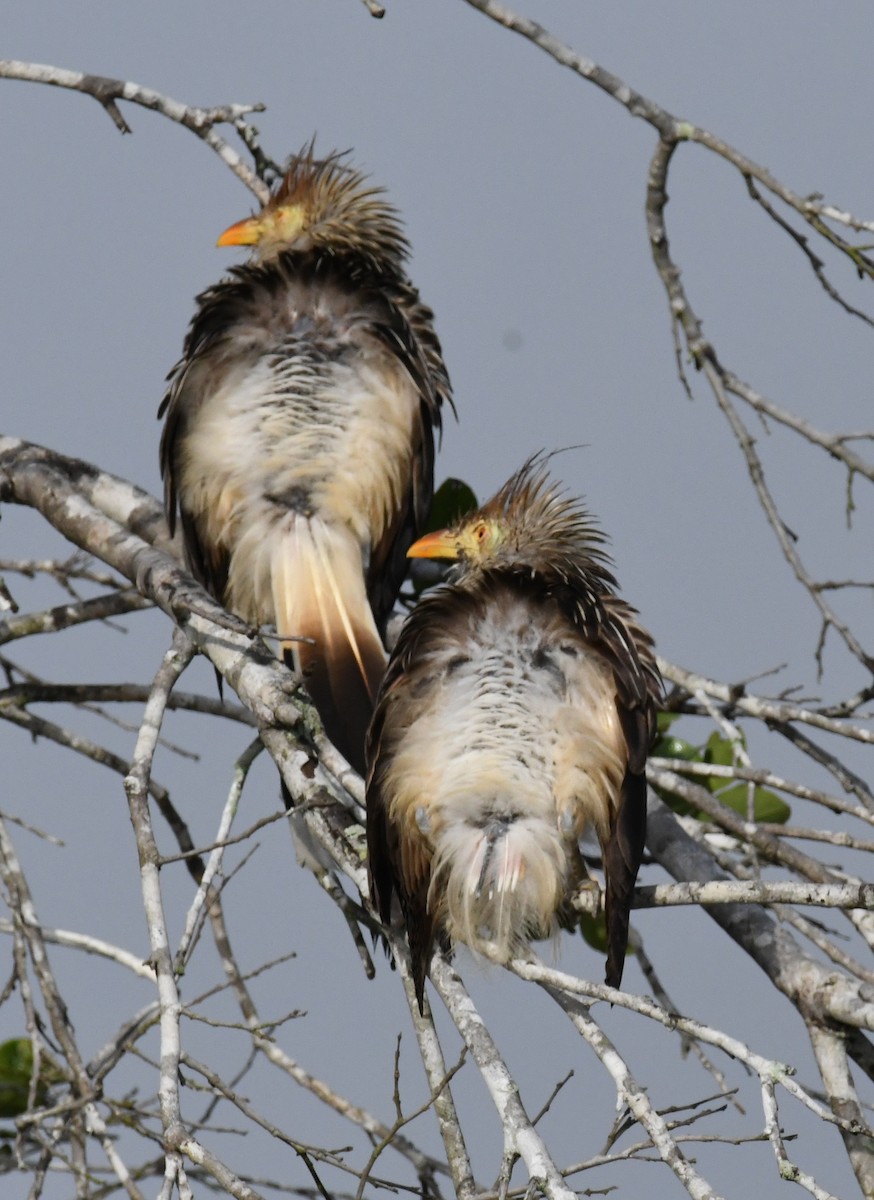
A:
(326, 628)
(622, 854)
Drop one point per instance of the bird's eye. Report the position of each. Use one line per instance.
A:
(480, 533)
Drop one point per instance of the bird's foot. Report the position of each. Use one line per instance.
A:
(587, 898)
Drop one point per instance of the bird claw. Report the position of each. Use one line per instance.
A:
(588, 898)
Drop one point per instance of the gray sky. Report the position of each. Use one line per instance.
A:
(522, 189)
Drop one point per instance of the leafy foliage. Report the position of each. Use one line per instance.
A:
(720, 751)
(16, 1070)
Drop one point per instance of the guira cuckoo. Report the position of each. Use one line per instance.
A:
(517, 710)
(299, 438)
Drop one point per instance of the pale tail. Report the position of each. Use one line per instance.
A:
(499, 882)
(326, 627)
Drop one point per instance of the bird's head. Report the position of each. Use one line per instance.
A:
(528, 527)
(323, 204)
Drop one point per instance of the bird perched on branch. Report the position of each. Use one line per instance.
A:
(518, 709)
(299, 438)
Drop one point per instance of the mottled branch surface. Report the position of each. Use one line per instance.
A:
(779, 858)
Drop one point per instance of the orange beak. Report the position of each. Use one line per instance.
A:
(242, 233)
(441, 544)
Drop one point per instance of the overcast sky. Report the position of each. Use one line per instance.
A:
(522, 189)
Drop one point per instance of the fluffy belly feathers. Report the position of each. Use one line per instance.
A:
(489, 779)
(257, 459)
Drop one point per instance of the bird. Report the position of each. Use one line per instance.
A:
(298, 443)
(516, 712)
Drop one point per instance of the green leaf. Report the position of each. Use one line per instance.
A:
(767, 806)
(721, 750)
(667, 746)
(594, 930)
(451, 500)
(674, 747)
(664, 720)
(16, 1068)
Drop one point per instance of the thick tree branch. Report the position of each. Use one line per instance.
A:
(720, 866)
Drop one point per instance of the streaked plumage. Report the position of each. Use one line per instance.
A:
(299, 438)
(518, 709)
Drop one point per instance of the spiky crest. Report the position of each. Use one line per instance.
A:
(336, 210)
(531, 526)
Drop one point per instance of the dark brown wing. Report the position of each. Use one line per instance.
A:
(407, 331)
(400, 864)
(392, 869)
(218, 310)
(610, 626)
(622, 854)
(629, 649)
(207, 562)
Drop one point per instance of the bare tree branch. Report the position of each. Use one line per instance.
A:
(107, 92)
(749, 873)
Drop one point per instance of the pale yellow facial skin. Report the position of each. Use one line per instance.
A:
(475, 542)
(276, 226)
